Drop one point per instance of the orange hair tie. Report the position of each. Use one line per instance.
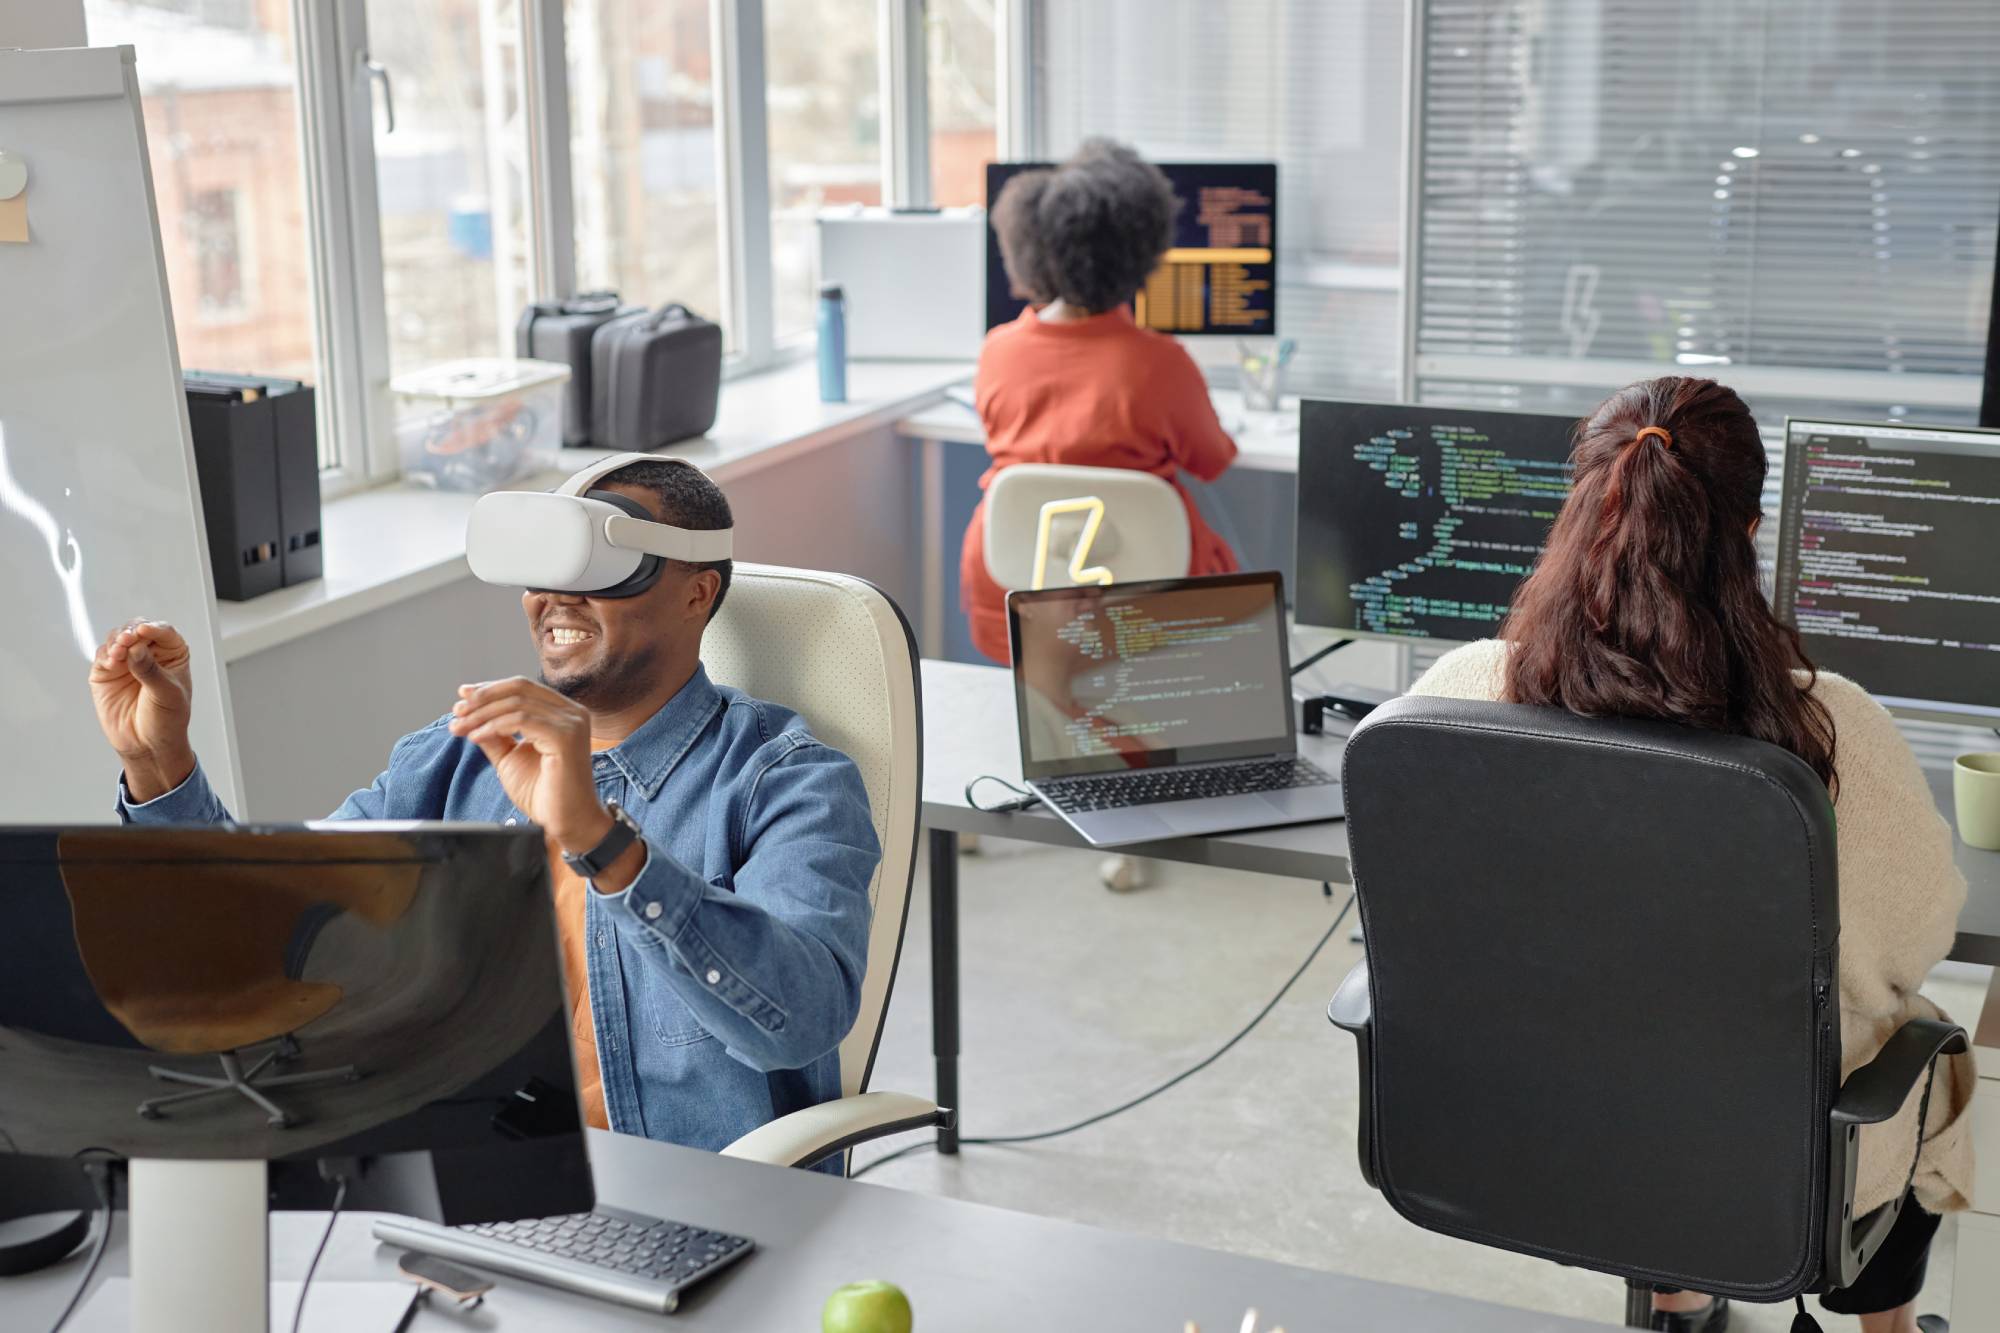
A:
(1666, 440)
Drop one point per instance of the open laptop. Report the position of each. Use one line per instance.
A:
(1163, 709)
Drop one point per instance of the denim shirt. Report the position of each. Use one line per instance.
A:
(724, 977)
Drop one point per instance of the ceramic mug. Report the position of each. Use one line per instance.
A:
(1975, 783)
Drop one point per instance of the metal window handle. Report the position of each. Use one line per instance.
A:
(379, 73)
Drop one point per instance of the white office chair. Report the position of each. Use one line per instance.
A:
(837, 651)
(1143, 534)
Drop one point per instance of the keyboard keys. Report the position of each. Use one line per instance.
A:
(1111, 791)
(658, 1251)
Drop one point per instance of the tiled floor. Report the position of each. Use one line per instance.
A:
(1076, 998)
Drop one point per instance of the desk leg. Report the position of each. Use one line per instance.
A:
(944, 975)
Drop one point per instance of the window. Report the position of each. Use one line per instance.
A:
(823, 98)
(961, 98)
(1795, 196)
(1317, 88)
(219, 87)
(643, 151)
(215, 232)
(451, 178)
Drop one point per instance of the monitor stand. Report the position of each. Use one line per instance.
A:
(200, 1246)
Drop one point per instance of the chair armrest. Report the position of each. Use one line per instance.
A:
(1879, 1088)
(1872, 1094)
(816, 1133)
(1352, 1010)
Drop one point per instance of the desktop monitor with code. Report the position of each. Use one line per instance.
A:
(1221, 274)
(1888, 563)
(1420, 522)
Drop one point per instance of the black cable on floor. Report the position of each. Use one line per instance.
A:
(1144, 1097)
(99, 1172)
(339, 1197)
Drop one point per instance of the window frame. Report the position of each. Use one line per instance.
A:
(338, 104)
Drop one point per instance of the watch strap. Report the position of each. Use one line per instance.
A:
(624, 832)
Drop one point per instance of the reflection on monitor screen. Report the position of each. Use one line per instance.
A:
(238, 993)
(1421, 522)
(1887, 564)
(1135, 674)
(1219, 277)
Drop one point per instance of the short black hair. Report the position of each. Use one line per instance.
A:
(688, 499)
(1102, 222)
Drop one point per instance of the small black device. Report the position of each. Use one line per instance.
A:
(1886, 561)
(655, 377)
(256, 449)
(434, 1274)
(609, 1253)
(1420, 522)
(1346, 700)
(1220, 276)
(562, 331)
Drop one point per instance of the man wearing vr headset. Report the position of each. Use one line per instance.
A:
(711, 860)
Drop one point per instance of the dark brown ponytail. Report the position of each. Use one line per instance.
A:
(1646, 602)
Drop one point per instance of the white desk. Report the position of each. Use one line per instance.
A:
(968, 1268)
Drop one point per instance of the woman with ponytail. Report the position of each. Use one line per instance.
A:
(1646, 603)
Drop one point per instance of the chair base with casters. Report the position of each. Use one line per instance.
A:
(1123, 874)
(251, 1083)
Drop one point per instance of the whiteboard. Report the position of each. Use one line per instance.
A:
(100, 514)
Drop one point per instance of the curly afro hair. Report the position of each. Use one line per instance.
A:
(1090, 231)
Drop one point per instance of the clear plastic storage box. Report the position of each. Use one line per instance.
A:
(476, 424)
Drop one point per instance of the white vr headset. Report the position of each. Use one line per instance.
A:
(578, 540)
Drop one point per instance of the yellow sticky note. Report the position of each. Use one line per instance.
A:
(14, 220)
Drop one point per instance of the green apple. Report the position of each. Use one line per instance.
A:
(866, 1307)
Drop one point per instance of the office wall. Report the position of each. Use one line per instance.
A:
(316, 716)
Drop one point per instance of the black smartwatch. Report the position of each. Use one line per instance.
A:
(624, 832)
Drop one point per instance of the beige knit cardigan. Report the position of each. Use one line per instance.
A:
(1900, 895)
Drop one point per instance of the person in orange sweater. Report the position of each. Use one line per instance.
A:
(1074, 380)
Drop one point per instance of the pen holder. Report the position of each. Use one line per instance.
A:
(1262, 380)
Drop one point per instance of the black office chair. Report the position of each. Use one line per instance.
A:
(1599, 1020)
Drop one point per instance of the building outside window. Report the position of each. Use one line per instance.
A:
(823, 99)
(219, 88)
(643, 152)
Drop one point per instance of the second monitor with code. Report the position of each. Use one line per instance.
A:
(1420, 522)
(1221, 274)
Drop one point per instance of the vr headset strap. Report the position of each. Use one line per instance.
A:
(684, 544)
(633, 534)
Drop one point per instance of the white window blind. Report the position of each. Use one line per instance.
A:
(1315, 87)
(1797, 197)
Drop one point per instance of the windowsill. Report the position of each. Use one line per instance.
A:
(398, 541)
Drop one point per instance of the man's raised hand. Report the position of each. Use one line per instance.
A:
(142, 686)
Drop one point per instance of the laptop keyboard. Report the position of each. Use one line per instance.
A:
(1118, 791)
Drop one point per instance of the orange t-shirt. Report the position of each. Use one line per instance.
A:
(572, 892)
(1096, 392)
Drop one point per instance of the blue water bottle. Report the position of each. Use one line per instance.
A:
(832, 344)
